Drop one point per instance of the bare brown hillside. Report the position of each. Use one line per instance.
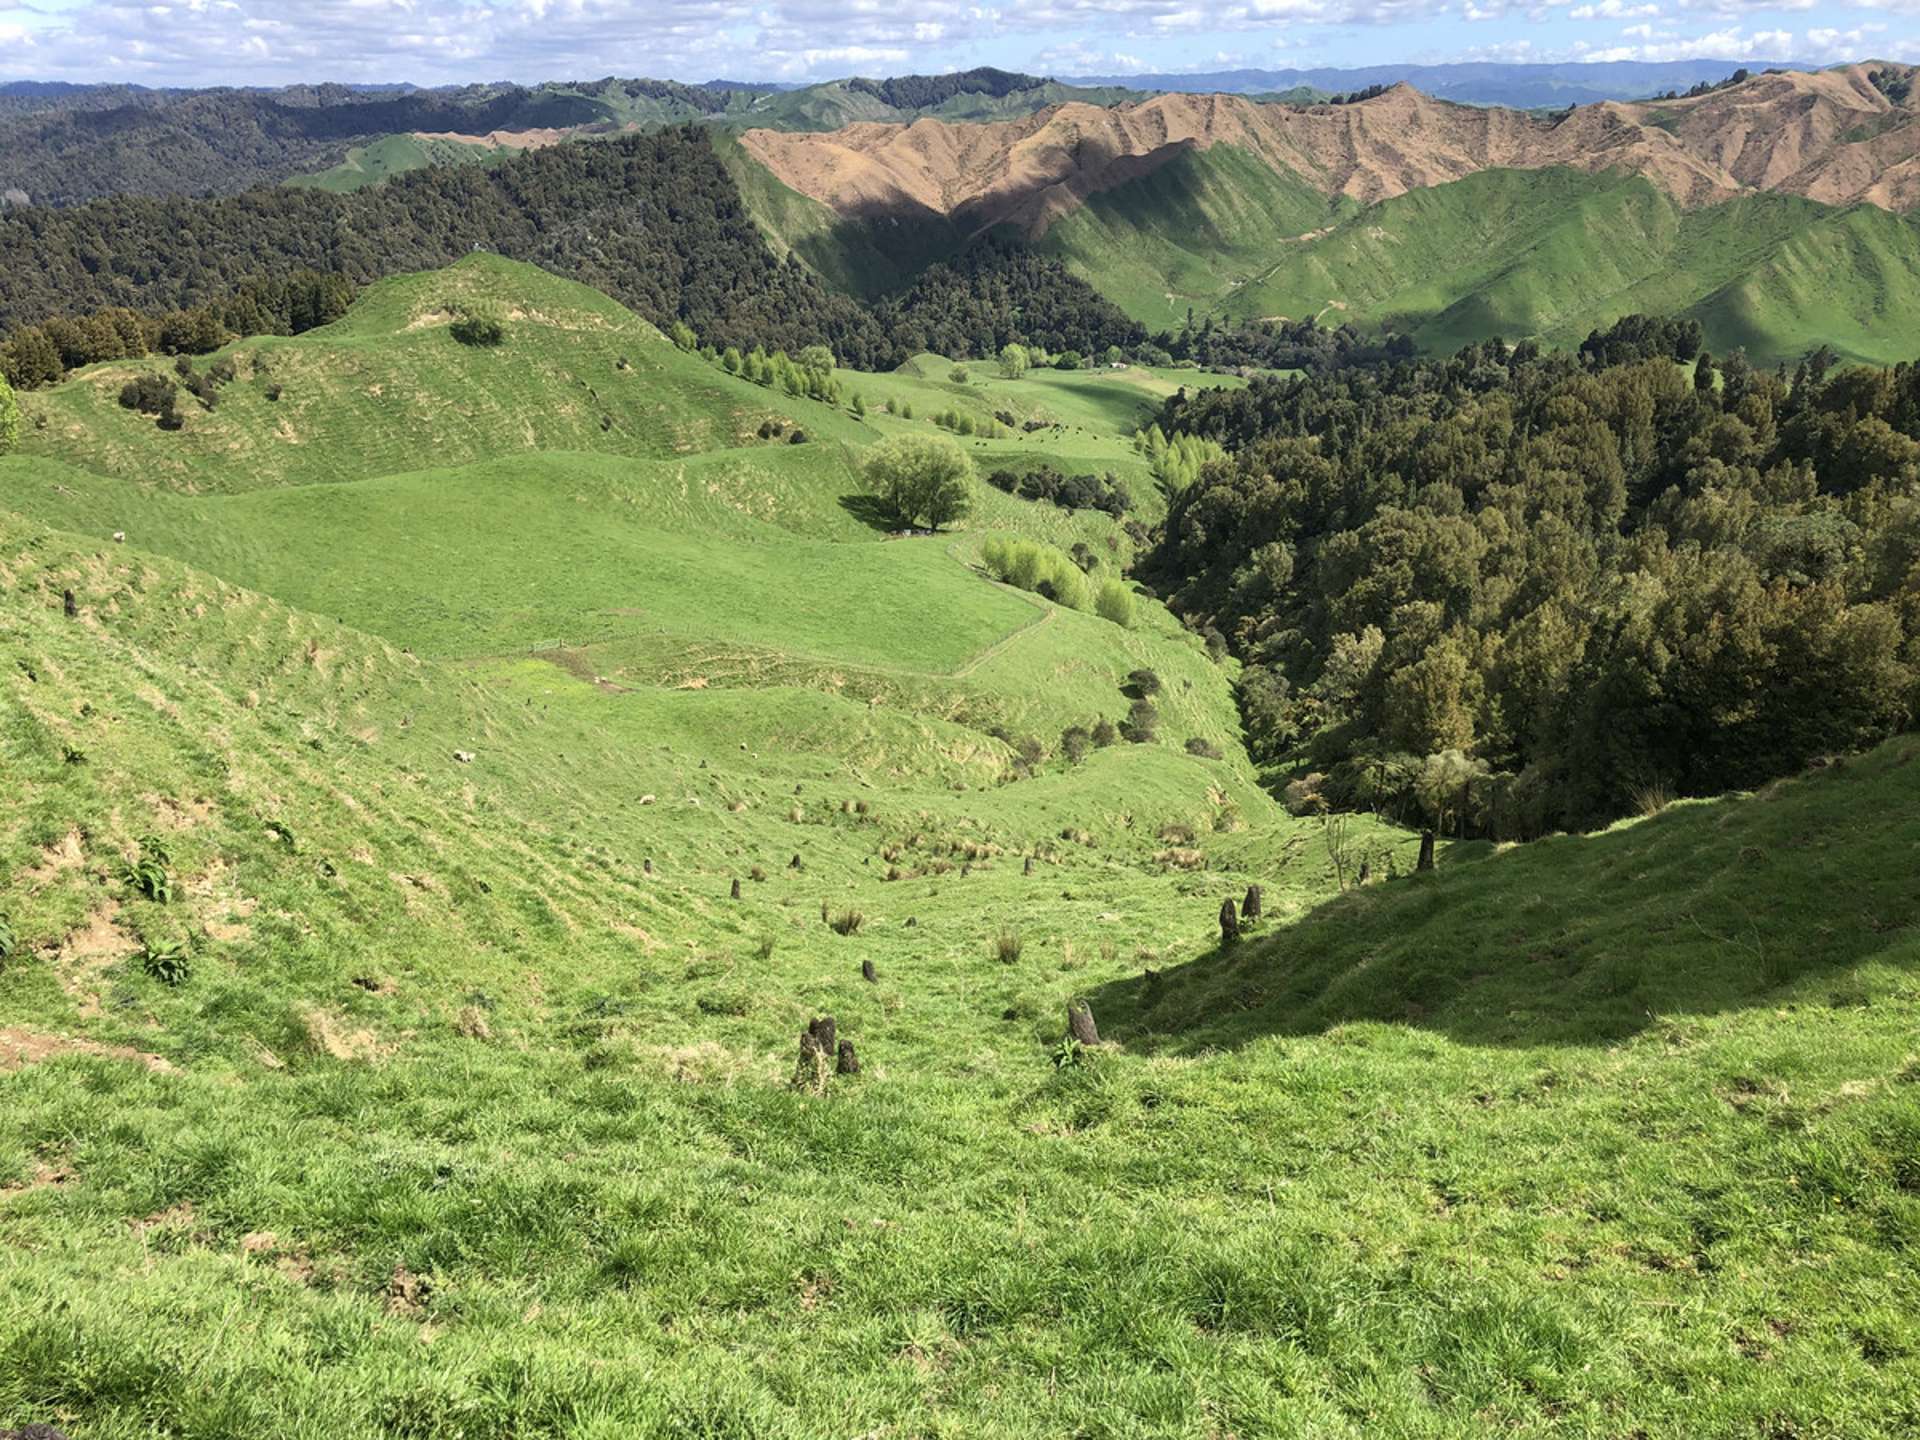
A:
(1831, 136)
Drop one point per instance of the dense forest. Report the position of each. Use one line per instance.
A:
(997, 293)
(653, 220)
(1519, 592)
(221, 142)
(919, 92)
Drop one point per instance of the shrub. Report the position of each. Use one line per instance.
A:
(1039, 568)
(958, 375)
(1205, 749)
(1074, 743)
(149, 393)
(1142, 682)
(1104, 733)
(150, 878)
(920, 478)
(9, 417)
(1143, 719)
(167, 961)
(1007, 946)
(479, 322)
(1113, 601)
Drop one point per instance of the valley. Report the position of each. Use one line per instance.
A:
(967, 755)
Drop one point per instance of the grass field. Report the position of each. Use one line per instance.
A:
(392, 155)
(451, 721)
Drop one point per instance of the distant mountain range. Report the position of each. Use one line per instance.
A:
(1524, 87)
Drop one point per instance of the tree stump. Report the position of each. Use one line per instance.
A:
(646, 867)
(794, 864)
(1426, 851)
(1229, 922)
(736, 888)
(818, 1052)
(70, 605)
(1080, 1023)
(1027, 869)
(848, 1062)
(1250, 907)
(823, 1031)
(1366, 871)
(868, 974)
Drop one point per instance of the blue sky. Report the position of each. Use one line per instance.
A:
(204, 42)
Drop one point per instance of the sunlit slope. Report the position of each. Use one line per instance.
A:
(480, 1071)
(1555, 254)
(388, 389)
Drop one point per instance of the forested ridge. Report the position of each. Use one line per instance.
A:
(652, 219)
(1513, 592)
(219, 142)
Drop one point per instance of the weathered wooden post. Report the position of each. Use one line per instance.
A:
(736, 888)
(848, 1062)
(1426, 851)
(868, 974)
(1250, 907)
(1229, 922)
(71, 606)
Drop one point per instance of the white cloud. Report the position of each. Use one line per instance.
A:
(438, 41)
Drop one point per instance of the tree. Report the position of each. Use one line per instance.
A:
(1114, 602)
(9, 417)
(920, 478)
(1014, 360)
(480, 322)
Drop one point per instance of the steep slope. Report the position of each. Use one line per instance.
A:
(477, 1071)
(1443, 221)
(1834, 136)
(471, 1106)
(1556, 254)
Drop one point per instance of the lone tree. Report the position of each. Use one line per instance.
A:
(9, 417)
(480, 322)
(920, 478)
(1014, 361)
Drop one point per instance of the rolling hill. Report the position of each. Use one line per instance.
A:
(514, 788)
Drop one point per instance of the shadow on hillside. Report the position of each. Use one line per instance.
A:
(872, 511)
(1707, 907)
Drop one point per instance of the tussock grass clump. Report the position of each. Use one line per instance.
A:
(847, 922)
(1008, 946)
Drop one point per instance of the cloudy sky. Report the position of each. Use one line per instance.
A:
(203, 42)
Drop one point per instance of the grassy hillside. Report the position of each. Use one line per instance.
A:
(389, 389)
(395, 154)
(1552, 254)
(1190, 234)
(474, 1112)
